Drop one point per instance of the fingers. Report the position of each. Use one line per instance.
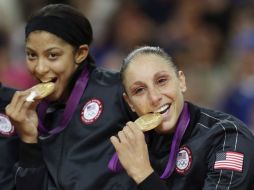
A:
(129, 136)
(12, 108)
(115, 141)
(136, 131)
(124, 139)
(132, 152)
(18, 106)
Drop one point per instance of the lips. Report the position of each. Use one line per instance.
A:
(163, 109)
(49, 80)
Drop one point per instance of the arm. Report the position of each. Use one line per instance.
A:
(132, 151)
(8, 158)
(153, 181)
(30, 172)
(8, 142)
(236, 173)
(23, 116)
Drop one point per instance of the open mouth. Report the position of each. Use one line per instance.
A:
(51, 80)
(163, 109)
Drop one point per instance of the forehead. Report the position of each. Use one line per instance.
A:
(148, 63)
(43, 38)
(145, 67)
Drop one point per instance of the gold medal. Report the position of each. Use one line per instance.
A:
(40, 91)
(149, 121)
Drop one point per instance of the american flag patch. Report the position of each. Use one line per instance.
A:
(229, 161)
(181, 155)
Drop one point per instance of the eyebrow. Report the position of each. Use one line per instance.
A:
(137, 83)
(49, 49)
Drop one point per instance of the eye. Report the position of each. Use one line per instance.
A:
(162, 81)
(53, 56)
(31, 56)
(138, 91)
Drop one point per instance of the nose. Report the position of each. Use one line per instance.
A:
(41, 67)
(155, 96)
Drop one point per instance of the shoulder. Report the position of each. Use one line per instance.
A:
(217, 122)
(222, 119)
(211, 118)
(105, 77)
(6, 91)
(6, 94)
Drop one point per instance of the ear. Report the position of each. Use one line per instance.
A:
(81, 53)
(182, 81)
(126, 98)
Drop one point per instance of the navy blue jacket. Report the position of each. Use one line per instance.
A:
(77, 157)
(216, 153)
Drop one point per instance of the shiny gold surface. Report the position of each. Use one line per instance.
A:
(149, 121)
(43, 89)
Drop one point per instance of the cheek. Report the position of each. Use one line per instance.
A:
(65, 76)
(63, 68)
(30, 67)
(172, 91)
(70, 64)
(141, 106)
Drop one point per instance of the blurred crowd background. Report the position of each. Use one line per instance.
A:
(212, 41)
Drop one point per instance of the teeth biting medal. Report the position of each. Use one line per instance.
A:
(40, 91)
(149, 121)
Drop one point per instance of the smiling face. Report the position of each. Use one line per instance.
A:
(152, 85)
(50, 58)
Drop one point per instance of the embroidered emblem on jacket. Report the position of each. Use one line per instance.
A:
(229, 161)
(91, 111)
(183, 160)
(6, 128)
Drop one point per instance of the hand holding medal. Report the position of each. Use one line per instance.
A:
(22, 110)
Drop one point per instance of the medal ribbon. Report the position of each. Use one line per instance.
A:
(70, 108)
(180, 130)
(184, 119)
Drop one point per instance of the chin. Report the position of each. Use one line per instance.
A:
(166, 128)
(52, 97)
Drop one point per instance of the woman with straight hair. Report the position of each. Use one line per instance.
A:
(193, 148)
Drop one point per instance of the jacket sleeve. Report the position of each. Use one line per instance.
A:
(152, 182)
(8, 144)
(8, 158)
(231, 160)
(30, 171)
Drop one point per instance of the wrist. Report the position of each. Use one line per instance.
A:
(138, 177)
(29, 139)
(30, 155)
